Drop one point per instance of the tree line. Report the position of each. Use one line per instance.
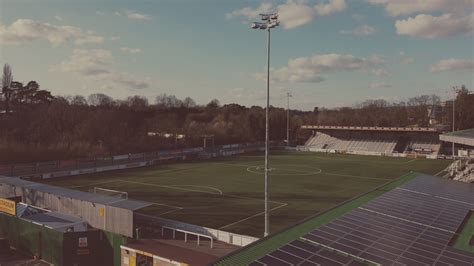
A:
(34, 125)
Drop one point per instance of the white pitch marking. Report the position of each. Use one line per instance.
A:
(172, 187)
(93, 184)
(168, 212)
(212, 188)
(249, 169)
(356, 176)
(255, 215)
(409, 161)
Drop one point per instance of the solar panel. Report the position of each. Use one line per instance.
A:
(439, 187)
(410, 225)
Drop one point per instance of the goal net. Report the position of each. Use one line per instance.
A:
(111, 193)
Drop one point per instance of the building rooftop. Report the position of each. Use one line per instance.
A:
(184, 252)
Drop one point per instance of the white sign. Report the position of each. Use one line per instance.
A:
(82, 242)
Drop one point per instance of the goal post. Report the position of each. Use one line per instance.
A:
(111, 192)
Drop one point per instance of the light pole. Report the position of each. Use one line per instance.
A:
(270, 21)
(288, 95)
(454, 103)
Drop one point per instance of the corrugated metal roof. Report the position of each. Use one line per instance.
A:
(53, 219)
(23, 209)
(76, 194)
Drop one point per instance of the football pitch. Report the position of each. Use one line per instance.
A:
(227, 193)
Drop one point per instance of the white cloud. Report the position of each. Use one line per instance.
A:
(58, 18)
(312, 69)
(100, 13)
(138, 16)
(363, 30)
(376, 59)
(131, 50)
(118, 14)
(248, 95)
(430, 27)
(88, 62)
(379, 72)
(407, 7)
(292, 13)
(453, 65)
(27, 30)
(249, 12)
(331, 6)
(379, 85)
(98, 65)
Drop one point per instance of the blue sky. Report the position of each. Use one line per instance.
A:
(327, 52)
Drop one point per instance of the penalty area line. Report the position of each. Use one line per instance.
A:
(92, 184)
(219, 192)
(355, 176)
(255, 215)
(176, 208)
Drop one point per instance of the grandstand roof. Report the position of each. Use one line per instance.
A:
(410, 220)
(387, 129)
(464, 137)
(76, 194)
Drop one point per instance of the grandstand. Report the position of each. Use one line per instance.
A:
(373, 140)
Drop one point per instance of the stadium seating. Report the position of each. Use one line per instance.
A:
(374, 142)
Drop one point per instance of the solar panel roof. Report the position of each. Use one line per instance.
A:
(413, 224)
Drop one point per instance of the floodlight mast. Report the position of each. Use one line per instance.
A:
(288, 95)
(454, 104)
(270, 21)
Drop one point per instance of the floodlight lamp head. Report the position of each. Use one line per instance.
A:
(273, 24)
(265, 17)
(255, 25)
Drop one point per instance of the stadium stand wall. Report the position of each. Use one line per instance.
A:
(373, 142)
(100, 164)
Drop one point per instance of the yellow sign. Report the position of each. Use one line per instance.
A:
(8, 206)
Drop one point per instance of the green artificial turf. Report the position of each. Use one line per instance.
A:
(227, 193)
(462, 240)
